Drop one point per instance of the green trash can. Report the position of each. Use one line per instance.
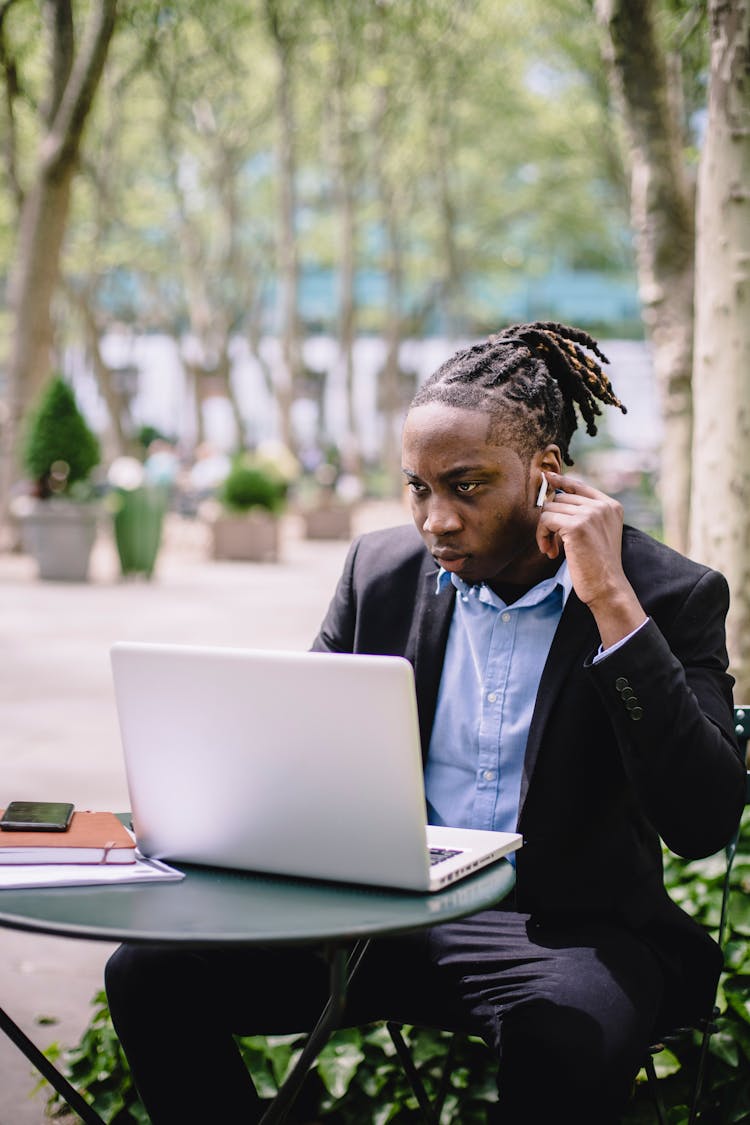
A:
(138, 520)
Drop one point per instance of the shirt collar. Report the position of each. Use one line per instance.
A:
(561, 578)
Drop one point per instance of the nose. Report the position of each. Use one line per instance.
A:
(441, 517)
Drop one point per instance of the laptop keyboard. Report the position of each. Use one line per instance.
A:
(437, 855)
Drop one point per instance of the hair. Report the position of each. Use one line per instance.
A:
(530, 378)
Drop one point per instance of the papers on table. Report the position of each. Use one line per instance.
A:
(19, 876)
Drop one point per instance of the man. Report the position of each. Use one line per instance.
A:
(571, 680)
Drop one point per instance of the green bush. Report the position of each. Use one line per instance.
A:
(59, 449)
(253, 482)
(356, 1080)
(696, 886)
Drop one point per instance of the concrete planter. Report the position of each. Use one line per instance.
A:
(60, 534)
(253, 537)
(333, 521)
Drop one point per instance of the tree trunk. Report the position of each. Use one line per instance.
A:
(122, 440)
(291, 348)
(447, 212)
(720, 529)
(391, 398)
(389, 391)
(224, 375)
(662, 217)
(347, 267)
(44, 216)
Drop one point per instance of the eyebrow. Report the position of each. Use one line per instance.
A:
(457, 471)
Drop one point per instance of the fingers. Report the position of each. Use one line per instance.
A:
(571, 487)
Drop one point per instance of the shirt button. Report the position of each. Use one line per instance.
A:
(506, 617)
(489, 775)
(491, 698)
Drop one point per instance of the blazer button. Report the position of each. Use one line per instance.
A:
(636, 713)
(627, 693)
(631, 702)
(621, 683)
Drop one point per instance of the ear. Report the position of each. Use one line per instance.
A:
(550, 458)
(547, 459)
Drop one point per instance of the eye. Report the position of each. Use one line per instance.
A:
(416, 487)
(466, 486)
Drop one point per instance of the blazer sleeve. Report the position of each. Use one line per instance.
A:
(669, 698)
(337, 631)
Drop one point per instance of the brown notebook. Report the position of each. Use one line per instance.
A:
(92, 837)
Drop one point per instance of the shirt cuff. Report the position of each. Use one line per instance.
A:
(604, 652)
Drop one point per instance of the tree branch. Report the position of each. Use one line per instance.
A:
(62, 142)
(58, 15)
(12, 91)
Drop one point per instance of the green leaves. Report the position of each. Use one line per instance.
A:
(253, 482)
(697, 887)
(60, 450)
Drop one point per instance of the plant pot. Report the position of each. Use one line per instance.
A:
(60, 534)
(332, 521)
(138, 521)
(253, 537)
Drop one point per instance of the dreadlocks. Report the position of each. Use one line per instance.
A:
(533, 374)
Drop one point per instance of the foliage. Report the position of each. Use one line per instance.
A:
(696, 886)
(60, 450)
(506, 159)
(253, 482)
(147, 435)
(358, 1079)
(98, 1068)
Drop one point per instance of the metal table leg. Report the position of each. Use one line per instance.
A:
(67, 1092)
(342, 969)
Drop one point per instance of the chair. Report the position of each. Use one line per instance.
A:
(707, 1026)
(432, 1110)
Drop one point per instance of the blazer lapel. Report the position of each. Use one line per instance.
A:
(574, 639)
(427, 644)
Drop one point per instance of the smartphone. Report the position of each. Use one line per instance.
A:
(36, 816)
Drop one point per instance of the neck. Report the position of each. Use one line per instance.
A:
(511, 591)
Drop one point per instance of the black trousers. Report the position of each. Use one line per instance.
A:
(568, 1010)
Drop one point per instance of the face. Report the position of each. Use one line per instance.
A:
(473, 498)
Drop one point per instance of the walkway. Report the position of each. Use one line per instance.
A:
(58, 732)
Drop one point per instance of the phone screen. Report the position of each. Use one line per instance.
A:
(42, 816)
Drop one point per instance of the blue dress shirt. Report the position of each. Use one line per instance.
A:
(491, 673)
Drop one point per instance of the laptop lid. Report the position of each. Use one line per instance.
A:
(291, 763)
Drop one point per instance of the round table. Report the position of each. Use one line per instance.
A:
(231, 908)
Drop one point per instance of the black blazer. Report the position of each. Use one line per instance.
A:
(638, 746)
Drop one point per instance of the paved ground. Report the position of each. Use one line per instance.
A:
(58, 729)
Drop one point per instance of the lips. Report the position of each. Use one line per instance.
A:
(448, 558)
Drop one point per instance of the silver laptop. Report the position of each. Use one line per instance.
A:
(304, 764)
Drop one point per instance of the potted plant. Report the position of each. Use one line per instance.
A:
(59, 518)
(327, 499)
(252, 497)
(138, 507)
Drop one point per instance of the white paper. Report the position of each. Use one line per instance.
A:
(19, 876)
